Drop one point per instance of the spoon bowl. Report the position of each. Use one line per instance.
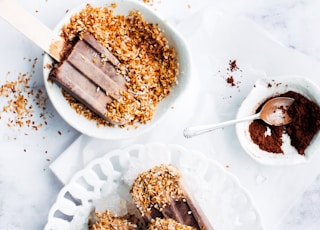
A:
(274, 112)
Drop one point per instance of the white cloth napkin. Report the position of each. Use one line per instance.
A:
(215, 38)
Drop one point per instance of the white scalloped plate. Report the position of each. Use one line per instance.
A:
(106, 181)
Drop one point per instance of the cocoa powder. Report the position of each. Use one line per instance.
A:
(305, 124)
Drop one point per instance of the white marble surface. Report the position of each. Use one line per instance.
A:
(27, 186)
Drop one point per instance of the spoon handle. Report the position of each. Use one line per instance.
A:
(201, 129)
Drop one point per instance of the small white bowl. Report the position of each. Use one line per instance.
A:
(264, 89)
(90, 128)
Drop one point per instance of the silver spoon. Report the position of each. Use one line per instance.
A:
(274, 112)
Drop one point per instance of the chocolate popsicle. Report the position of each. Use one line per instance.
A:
(73, 82)
(87, 72)
(159, 193)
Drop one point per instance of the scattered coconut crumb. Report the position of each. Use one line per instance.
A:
(150, 2)
(19, 101)
(113, 5)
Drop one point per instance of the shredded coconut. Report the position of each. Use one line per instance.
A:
(148, 64)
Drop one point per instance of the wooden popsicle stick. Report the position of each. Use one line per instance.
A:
(32, 28)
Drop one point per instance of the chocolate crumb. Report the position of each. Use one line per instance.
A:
(232, 68)
(230, 81)
(233, 65)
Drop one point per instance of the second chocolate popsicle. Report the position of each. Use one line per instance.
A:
(159, 193)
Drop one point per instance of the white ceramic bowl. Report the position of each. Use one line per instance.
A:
(255, 98)
(90, 128)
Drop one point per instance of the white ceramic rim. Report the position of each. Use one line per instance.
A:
(258, 95)
(90, 128)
